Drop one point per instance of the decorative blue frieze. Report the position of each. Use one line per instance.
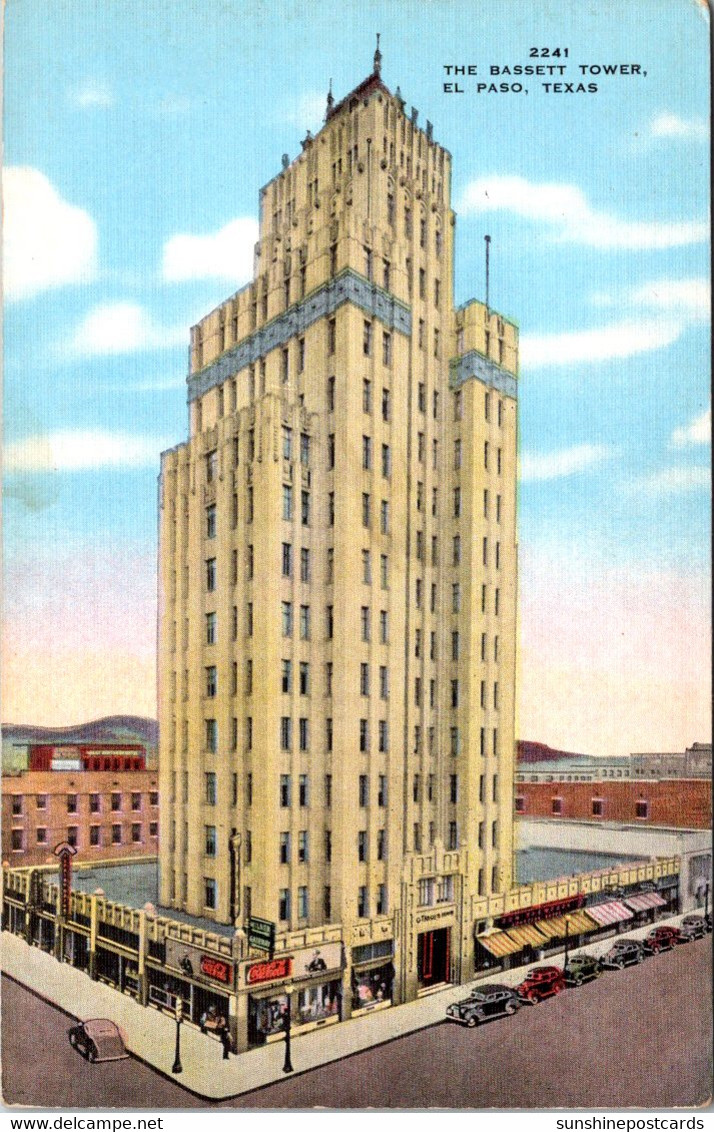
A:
(347, 287)
(475, 365)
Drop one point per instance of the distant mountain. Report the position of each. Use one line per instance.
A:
(111, 728)
(531, 752)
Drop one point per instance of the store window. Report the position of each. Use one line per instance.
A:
(315, 1003)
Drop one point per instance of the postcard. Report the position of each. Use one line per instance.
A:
(356, 681)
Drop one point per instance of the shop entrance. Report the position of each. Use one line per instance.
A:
(433, 957)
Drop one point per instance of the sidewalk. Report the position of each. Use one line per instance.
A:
(150, 1035)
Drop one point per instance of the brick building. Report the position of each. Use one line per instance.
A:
(104, 814)
(684, 804)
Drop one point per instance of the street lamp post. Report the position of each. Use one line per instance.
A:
(567, 939)
(177, 1067)
(288, 1065)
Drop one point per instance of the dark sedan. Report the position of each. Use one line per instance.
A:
(491, 1001)
(624, 953)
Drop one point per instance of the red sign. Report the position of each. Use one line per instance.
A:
(271, 969)
(65, 852)
(217, 969)
(541, 911)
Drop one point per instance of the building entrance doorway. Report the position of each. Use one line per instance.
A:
(433, 957)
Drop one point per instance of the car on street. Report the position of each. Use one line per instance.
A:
(581, 969)
(623, 953)
(484, 1003)
(98, 1039)
(668, 932)
(693, 927)
(540, 983)
(657, 941)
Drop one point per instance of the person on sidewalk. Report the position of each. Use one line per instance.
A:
(226, 1042)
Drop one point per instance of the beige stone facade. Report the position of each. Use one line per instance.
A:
(338, 573)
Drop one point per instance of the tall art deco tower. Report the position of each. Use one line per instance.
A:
(338, 565)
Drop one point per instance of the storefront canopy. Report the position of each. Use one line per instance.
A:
(644, 900)
(579, 923)
(611, 913)
(498, 943)
(526, 934)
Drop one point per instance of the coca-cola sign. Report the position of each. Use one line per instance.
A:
(217, 969)
(267, 970)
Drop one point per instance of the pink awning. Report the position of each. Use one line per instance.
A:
(644, 900)
(611, 913)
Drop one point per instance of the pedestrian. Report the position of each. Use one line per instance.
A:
(226, 1042)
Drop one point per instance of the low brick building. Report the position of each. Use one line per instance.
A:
(105, 815)
(681, 803)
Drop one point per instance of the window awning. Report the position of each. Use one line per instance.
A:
(644, 900)
(498, 943)
(526, 934)
(579, 923)
(611, 913)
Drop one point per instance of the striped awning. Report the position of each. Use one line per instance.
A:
(526, 934)
(644, 900)
(498, 943)
(579, 923)
(611, 913)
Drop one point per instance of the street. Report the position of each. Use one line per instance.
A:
(635, 1038)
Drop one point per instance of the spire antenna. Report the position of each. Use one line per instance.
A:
(330, 102)
(488, 248)
(377, 59)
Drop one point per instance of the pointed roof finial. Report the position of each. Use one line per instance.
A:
(377, 59)
(330, 99)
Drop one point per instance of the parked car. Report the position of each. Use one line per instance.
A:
(581, 969)
(98, 1039)
(540, 983)
(623, 953)
(657, 941)
(668, 931)
(491, 1001)
(693, 927)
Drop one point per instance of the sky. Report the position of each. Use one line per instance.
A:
(137, 137)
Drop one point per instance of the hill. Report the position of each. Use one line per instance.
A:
(109, 729)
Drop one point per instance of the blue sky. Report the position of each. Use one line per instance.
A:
(137, 136)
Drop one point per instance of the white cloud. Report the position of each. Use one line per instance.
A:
(688, 298)
(570, 218)
(47, 242)
(621, 340)
(698, 431)
(92, 95)
(565, 462)
(122, 328)
(308, 110)
(79, 450)
(226, 254)
(671, 481)
(672, 126)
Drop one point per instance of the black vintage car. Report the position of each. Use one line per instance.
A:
(693, 927)
(581, 969)
(98, 1039)
(624, 953)
(491, 1001)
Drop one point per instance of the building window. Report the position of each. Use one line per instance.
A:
(384, 626)
(211, 628)
(362, 901)
(287, 502)
(642, 809)
(366, 396)
(598, 807)
(94, 837)
(304, 678)
(286, 731)
(363, 789)
(71, 803)
(284, 790)
(211, 521)
(365, 509)
(302, 902)
(453, 789)
(364, 679)
(556, 806)
(331, 393)
(303, 790)
(383, 735)
(211, 466)
(362, 845)
(116, 802)
(329, 621)
(304, 564)
(304, 622)
(286, 676)
(209, 892)
(136, 801)
(453, 842)
(211, 680)
(116, 835)
(303, 854)
(386, 348)
(210, 780)
(211, 735)
(384, 517)
(305, 508)
(304, 734)
(210, 574)
(284, 850)
(287, 560)
(386, 406)
(367, 338)
(287, 618)
(520, 804)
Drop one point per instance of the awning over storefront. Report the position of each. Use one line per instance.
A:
(611, 913)
(498, 943)
(526, 934)
(644, 900)
(579, 923)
